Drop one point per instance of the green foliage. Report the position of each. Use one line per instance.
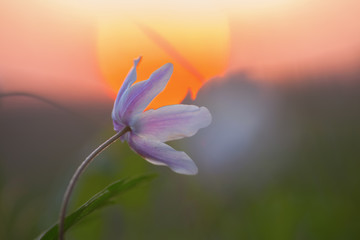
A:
(101, 199)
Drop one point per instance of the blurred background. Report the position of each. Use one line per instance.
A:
(280, 77)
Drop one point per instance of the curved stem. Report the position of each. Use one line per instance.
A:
(37, 97)
(77, 174)
(45, 100)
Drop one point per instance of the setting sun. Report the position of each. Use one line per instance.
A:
(197, 43)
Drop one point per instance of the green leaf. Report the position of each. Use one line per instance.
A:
(101, 199)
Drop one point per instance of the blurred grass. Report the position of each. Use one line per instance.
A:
(103, 198)
(314, 195)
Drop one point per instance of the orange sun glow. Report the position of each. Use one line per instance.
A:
(197, 45)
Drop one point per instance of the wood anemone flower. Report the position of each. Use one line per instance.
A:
(146, 131)
(149, 130)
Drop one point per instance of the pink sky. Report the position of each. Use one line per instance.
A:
(51, 48)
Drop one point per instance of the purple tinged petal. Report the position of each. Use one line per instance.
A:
(118, 126)
(129, 80)
(172, 122)
(150, 129)
(136, 98)
(159, 153)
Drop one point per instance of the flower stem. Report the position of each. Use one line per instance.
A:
(37, 97)
(77, 174)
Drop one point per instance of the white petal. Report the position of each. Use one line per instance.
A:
(118, 126)
(129, 80)
(159, 153)
(172, 122)
(137, 97)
